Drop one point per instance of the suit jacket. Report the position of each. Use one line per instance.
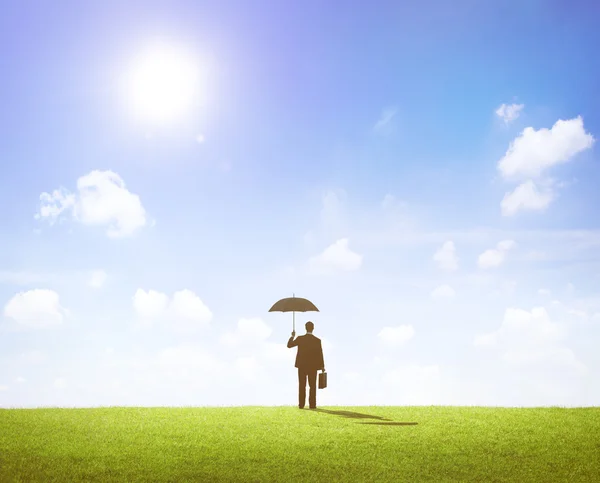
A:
(310, 352)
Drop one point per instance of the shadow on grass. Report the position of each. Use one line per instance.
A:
(392, 423)
(353, 415)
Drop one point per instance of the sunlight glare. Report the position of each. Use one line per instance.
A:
(163, 84)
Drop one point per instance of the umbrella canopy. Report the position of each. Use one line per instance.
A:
(294, 304)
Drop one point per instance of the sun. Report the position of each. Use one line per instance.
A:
(163, 83)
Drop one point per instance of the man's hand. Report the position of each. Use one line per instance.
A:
(293, 333)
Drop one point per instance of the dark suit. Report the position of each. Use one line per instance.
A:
(309, 360)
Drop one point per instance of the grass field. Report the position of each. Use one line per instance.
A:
(282, 444)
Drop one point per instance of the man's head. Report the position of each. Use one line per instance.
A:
(309, 327)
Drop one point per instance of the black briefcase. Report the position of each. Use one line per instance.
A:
(322, 380)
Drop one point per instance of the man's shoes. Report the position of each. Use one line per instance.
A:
(301, 407)
(313, 407)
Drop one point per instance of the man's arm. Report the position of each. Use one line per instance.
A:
(292, 343)
(321, 360)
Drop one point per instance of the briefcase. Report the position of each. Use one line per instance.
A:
(322, 380)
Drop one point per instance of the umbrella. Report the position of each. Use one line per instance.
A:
(294, 304)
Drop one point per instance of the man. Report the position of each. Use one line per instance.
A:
(309, 360)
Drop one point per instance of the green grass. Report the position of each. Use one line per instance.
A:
(282, 444)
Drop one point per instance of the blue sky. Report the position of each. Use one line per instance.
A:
(425, 174)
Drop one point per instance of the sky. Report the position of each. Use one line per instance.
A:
(426, 174)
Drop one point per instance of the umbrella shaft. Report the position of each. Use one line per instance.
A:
(294, 316)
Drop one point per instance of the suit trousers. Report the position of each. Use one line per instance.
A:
(303, 374)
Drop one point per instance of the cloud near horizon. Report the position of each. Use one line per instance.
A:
(184, 311)
(530, 338)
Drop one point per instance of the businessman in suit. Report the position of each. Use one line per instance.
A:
(309, 360)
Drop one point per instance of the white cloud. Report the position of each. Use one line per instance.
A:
(543, 291)
(248, 331)
(177, 373)
(101, 199)
(150, 304)
(36, 308)
(97, 278)
(531, 154)
(509, 113)
(443, 292)
(200, 138)
(60, 383)
(248, 342)
(530, 337)
(446, 257)
(186, 305)
(383, 124)
(336, 257)
(495, 257)
(412, 384)
(396, 336)
(534, 151)
(550, 356)
(524, 327)
(54, 204)
(185, 311)
(506, 245)
(3, 387)
(21, 380)
(526, 196)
